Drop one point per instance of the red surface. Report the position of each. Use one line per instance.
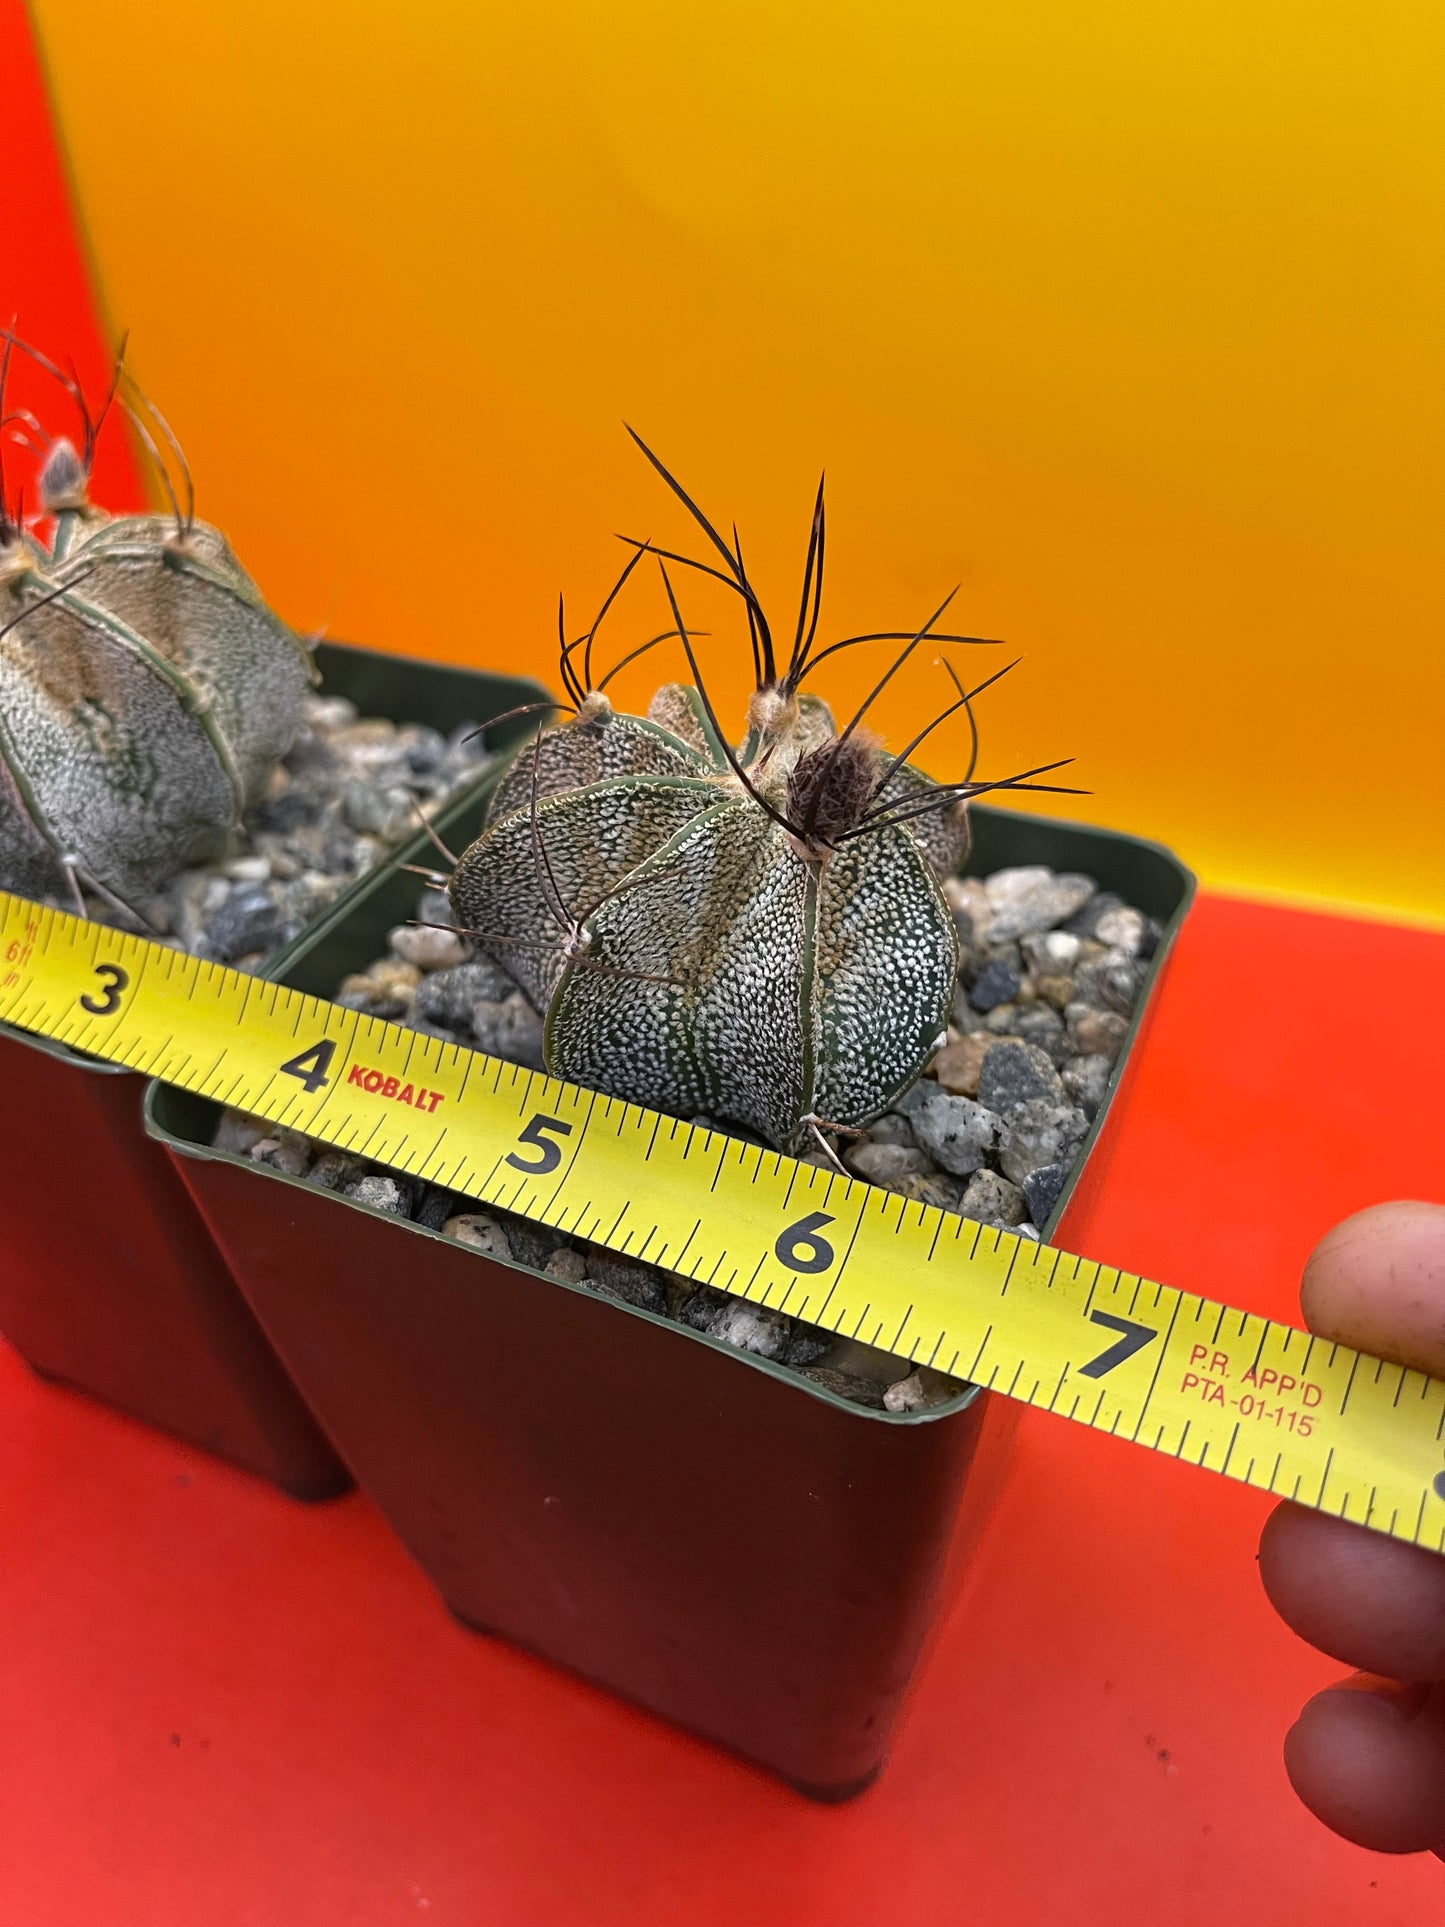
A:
(44, 288)
(218, 1707)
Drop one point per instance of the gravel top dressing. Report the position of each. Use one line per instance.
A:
(348, 791)
(1050, 970)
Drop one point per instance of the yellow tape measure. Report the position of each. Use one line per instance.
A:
(1257, 1401)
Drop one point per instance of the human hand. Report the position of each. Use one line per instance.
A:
(1368, 1754)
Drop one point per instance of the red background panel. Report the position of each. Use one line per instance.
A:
(217, 1706)
(45, 288)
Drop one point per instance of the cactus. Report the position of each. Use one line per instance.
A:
(146, 691)
(755, 933)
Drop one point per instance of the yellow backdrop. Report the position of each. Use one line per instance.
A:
(1127, 318)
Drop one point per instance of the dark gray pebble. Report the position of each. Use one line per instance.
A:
(1085, 920)
(955, 1131)
(997, 983)
(1111, 982)
(634, 1284)
(807, 1343)
(333, 1170)
(857, 1389)
(1043, 1027)
(1011, 1073)
(532, 1243)
(1042, 1188)
(1086, 1080)
(251, 918)
(751, 1328)
(436, 1205)
(447, 997)
(296, 806)
(908, 1102)
(426, 748)
(1038, 1133)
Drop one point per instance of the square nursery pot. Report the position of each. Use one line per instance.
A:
(703, 1532)
(109, 1280)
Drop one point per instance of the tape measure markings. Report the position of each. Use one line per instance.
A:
(994, 1307)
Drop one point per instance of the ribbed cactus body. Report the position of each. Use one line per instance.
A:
(142, 707)
(687, 951)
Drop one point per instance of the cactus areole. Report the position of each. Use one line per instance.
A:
(146, 691)
(756, 933)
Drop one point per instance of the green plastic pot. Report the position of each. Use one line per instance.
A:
(698, 1529)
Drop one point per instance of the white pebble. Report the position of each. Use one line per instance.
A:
(482, 1233)
(1052, 952)
(569, 1266)
(969, 895)
(920, 1391)
(381, 1192)
(427, 948)
(885, 1163)
(1121, 929)
(331, 712)
(238, 1131)
(288, 1158)
(1007, 886)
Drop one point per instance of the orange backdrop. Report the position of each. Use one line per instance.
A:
(1127, 319)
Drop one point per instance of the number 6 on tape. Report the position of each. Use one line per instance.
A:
(800, 1247)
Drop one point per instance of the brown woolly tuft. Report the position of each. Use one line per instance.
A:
(829, 789)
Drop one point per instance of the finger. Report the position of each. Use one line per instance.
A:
(1367, 1601)
(1377, 1282)
(1368, 1758)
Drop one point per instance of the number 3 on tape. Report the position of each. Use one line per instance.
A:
(105, 1002)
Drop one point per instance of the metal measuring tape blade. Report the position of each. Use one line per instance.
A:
(1241, 1395)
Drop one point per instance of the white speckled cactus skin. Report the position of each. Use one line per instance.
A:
(709, 964)
(146, 694)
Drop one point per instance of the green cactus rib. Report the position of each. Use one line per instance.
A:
(66, 525)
